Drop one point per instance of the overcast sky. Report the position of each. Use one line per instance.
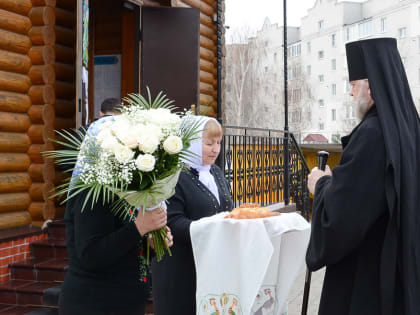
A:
(253, 12)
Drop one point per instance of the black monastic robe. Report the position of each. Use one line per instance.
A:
(349, 222)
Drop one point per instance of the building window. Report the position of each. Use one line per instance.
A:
(275, 98)
(275, 57)
(289, 73)
(321, 78)
(383, 25)
(347, 34)
(402, 32)
(296, 95)
(365, 29)
(334, 64)
(294, 50)
(266, 69)
(346, 86)
(266, 43)
(334, 89)
(321, 54)
(321, 25)
(308, 69)
(308, 47)
(321, 126)
(333, 40)
(333, 115)
(321, 103)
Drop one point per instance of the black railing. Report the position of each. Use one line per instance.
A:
(253, 162)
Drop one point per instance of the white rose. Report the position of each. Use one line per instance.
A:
(148, 143)
(145, 162)
(128, 136)
(110, 143)
(173, 144)
(123, 154)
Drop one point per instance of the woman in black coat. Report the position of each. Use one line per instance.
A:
(201, 191)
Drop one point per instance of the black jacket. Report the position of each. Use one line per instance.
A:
(174, 279)
(104, 264)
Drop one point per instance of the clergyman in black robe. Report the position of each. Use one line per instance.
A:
(366, 214)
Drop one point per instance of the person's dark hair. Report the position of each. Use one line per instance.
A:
(110, 105)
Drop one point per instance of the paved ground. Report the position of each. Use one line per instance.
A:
(296, 294)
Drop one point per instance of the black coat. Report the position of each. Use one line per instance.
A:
(104, 264)
(350, 217)
(174, 279)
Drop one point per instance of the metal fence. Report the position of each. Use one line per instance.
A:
(252, 160)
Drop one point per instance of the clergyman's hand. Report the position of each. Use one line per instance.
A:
(315, 175)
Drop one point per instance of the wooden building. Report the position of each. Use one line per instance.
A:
(49, 47)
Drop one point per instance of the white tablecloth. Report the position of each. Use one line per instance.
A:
(247, 266)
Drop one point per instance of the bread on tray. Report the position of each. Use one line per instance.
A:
(250, 211)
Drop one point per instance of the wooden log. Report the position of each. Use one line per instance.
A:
(64, 108)
(14, 102)
(66, 4)
(41, 113)
(42, 35)
(65, 36)
(64, 123)
(43, 3)
(36, 210)
(206, 99)
(14, 62)
(210, 2)
(14, 122)
(207, 32)
(14, 182)
(206, 88)
(14, 82)
(14, 202)
(207, 21)
(207, 111)
(35, 133)
(42, 74)
(48, 212)
(64, 72)
(64, 54)
(65, 18)
(41, 191)
(42, 94)
(64, 90)
(204, 7)
(207, 43)
(14, 22)
(14, 219)
(14, 142)
(42, 16)
(207, 66)
(35, 152)
(207, 54)
(40, 172)
(42, 55)
(35, 113)
(150, 3)
(207, 77)
(21, 7)
(14, 162)
(14, 42)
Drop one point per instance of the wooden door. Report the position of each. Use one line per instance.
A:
(170, 53)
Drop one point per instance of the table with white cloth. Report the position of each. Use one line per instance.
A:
(247, 267)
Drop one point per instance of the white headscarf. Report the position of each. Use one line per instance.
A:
(196, 161)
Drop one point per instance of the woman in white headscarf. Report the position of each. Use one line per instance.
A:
(201, 191)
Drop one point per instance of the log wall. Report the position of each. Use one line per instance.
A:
(208, 53)
(15, 122)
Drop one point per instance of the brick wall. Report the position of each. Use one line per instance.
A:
(13, 251)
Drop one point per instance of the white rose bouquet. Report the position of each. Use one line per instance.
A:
(134, 158)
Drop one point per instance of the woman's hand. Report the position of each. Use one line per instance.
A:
(150, 220)
(169, 240)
